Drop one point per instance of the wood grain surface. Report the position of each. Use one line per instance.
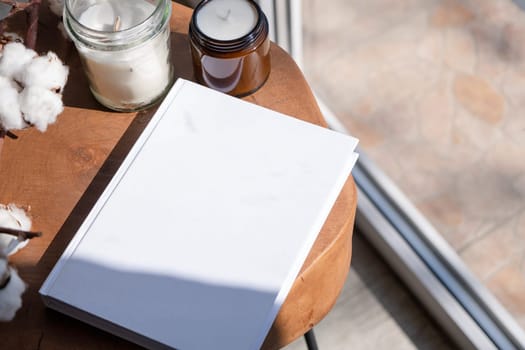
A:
(58, 176)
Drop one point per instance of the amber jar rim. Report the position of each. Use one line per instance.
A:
(245, 42)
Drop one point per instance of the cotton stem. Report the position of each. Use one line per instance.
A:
(31, 8)
(32, 24)
(20, 233)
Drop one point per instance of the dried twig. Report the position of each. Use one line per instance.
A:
(5, 278)
(31, 9)
(20, 233)
(32, 23)
(7, 133)
(3, 27)
(16, 6)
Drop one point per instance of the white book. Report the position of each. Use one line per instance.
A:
(198, 238)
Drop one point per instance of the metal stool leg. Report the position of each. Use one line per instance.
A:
(311, 343)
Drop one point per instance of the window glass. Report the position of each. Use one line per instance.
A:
(435, 91)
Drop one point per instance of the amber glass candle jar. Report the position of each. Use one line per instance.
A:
(230, 46)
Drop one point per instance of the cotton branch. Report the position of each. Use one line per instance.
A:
(4, 133)
(5, 278)
(16, 6)
(20, 233)
(31, 9)
(7, 133)
(32, 23)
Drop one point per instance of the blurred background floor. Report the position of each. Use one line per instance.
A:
(435, 91)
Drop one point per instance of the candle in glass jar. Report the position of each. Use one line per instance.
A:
(124, 46)
(227, 19)
(230, 45)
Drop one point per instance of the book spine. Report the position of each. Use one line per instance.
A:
(77, 238)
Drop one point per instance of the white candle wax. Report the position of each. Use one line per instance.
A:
(226, 19)
(132, 76)
(101, 16)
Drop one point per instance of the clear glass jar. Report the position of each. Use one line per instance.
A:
(124, 47)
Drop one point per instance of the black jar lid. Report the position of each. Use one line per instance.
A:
(228, 46)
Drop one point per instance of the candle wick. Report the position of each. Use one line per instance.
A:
(225, 17)
(116, 25)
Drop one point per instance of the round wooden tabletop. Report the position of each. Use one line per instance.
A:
(58, 175)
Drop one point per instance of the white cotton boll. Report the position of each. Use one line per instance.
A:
(13, 217)
(11, 294)
(5, 82)
(6, 220)
(13, 37)
(10, 83)
(9, 37)
(10, 115)
(14, 57)
(20, 215)
(57, 7)
(45, 71)
(40, 106)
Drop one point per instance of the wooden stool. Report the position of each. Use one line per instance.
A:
(61, 173)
